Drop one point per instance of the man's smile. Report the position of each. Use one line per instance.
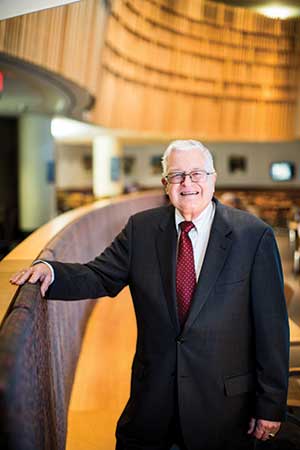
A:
(189, 193)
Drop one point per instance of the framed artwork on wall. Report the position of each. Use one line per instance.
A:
(128, 164)
(50, 172)
(155, 164)
(115, 168)
(237, 163)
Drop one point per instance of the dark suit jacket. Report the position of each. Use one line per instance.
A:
(231, 358)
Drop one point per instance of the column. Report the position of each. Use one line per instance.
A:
(108, 177)
(37, 197)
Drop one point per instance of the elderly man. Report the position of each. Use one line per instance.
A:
(211, 362)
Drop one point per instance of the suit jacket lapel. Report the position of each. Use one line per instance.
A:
(218, 249)
(166, 243)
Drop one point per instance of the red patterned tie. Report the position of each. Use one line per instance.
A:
(185, 272)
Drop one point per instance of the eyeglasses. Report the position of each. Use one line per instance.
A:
(196, 176)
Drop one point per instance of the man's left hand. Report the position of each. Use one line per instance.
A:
(263, 429)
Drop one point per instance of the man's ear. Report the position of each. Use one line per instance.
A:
(165, 185)
(164, 182)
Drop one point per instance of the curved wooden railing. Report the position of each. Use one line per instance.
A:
(40, 341)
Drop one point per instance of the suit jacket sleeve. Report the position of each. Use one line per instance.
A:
(271, 330)
(106, 275)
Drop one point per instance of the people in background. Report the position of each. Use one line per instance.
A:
(231, 199)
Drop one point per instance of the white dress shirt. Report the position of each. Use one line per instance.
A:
(199, 235)
(47, 264)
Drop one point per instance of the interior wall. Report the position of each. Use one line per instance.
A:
(142, 164)
(74, 166)
(258, 157)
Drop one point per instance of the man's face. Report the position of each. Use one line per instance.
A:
(189, 197)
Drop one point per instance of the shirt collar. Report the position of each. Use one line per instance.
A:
(199, 221)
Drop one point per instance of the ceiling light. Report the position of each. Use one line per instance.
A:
(64, 128)
(276, 11)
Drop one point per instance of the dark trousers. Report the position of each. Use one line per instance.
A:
(175, 433)
(175, 441)
(173, 438)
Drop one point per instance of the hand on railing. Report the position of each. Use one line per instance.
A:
(38, 272)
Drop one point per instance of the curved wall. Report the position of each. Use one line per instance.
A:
(183, 68)
(199, 67)
(66, 40)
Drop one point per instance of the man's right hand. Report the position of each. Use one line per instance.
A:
(38, 272)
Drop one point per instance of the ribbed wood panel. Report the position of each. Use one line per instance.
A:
(185, 68)
(66, 40)
(199, 68)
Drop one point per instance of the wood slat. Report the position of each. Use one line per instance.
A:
(196, 56)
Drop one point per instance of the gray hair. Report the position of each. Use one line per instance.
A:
(186, 145)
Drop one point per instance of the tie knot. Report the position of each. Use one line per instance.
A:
(186, 226)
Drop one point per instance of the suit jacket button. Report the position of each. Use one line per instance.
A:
(179, 340)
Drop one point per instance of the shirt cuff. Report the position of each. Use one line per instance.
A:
(50, 267)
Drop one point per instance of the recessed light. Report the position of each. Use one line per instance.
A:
(276, 11)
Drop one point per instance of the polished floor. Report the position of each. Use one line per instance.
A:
(102, 379)
(101, 385)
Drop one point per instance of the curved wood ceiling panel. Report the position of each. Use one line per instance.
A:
(188, 68)
(215, 71)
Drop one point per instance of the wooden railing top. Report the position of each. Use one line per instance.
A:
(29, 249)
